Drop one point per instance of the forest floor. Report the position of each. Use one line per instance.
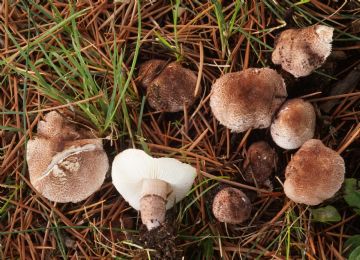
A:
(82, 60)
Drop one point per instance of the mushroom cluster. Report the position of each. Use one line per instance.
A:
(65, 164)
(256, 98)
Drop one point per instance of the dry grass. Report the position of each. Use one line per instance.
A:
(82, 60)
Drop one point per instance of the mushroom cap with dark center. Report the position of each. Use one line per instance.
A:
(259, 163)
(247, 99)
(294, 124)
(300, 51)
(314, 174)
(231, 206)
(170, 87)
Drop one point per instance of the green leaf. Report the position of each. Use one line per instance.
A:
(352, 193)
(355, 254)
(326, 214)
(353, 242)
(302, 2)
(208, 248)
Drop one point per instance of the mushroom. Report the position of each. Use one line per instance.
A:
(62, 168)
(294, 124)
(314, 174)
(247, 99)
(151, 185)
(231, 206)
(300, 51)
(259, 162)
(170, 87)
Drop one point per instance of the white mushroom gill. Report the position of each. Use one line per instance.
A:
(151, 185)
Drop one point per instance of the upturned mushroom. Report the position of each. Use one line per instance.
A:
(231, 206)
(170, 87)
(259, 162)
(65, 165)
(314, 174)
(247, 99)
(294, 124)
(151, 185)
(300, 51)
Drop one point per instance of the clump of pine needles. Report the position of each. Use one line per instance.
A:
(81, 58)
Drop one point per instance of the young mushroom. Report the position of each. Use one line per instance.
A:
(314, 174)
(170, 87)
(62, 166)
(247, 99)
(151, 185)
(300, 51)
(231, 206)
(294, 124)
(259, 162)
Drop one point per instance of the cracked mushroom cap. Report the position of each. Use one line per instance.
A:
(69, 175)
(231, 206)
(314, 174)
(132, 166)
(247, 99)
(300, 51)
(294, 124)
(259, 162)
(64, 165)
(169, 86)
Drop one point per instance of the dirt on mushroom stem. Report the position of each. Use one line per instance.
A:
(162, 239)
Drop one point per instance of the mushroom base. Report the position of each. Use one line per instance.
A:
(153, 209)
(153, 202)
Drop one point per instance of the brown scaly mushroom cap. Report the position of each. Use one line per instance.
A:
(259, 163)
(61, 168)
(314, 174)
(231, 206)
(294, 124)
(300, 51)
(247, 99)
(169, 85)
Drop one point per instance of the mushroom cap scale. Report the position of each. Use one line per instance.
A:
(169, 86)
(300, 51)
(314, 174)
(247, 99)
(132, 166)
(294, 124)
(70, 175)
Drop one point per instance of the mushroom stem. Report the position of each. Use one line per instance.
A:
(153, 202)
